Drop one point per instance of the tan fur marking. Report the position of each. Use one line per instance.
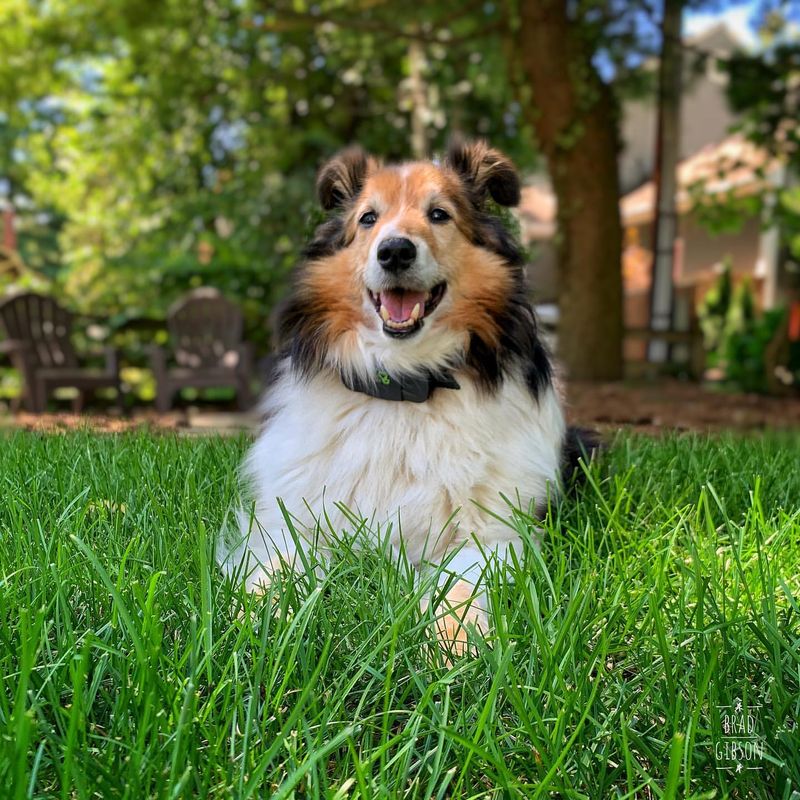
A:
(459, 610)
(479, 291)
(336, 294)
(402, 195)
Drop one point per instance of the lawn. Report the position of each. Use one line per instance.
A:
(666, 593)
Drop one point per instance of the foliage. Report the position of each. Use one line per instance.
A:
(725, 212)
(737, 338)
(713, 312)
(151, 147)
(746, 363)
(664, 592)
(176, 144)
(171, 144)
(764, 89)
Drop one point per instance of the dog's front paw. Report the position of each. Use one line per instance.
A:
(460, 610)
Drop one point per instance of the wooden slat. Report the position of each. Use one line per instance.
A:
(206, 330)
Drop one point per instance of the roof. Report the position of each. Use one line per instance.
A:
(733, 165)
(718, 39)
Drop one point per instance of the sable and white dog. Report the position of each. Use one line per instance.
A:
(413, 388)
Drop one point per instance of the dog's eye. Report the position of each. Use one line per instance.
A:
(438, 215)
(368, 219)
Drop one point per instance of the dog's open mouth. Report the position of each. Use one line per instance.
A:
(403, 310)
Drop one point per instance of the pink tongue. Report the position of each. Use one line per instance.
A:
(400, 303)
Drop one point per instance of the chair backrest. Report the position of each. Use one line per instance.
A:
(206, 329)
(43, 324)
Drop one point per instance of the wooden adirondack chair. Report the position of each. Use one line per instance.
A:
(206, 349)
(38, 340)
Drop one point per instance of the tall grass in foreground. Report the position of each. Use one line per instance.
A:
(664, 593)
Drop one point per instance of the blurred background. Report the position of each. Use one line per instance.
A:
(148, 150)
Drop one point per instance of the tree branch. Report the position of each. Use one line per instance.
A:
(289, 20)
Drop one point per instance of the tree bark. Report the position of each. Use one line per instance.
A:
(574, 116)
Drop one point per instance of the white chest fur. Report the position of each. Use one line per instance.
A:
(428, 469)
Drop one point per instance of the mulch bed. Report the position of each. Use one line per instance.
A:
(674, 405)
(95, 421)
(648, 407)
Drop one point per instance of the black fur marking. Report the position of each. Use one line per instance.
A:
(519, 345)
(483, 359)
(307, 350)
(484, 171)
(341, 179)
(300, 334)
(580, 444)
(328, 238)
(489, 232)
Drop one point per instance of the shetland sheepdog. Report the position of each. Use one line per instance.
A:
(413, 387)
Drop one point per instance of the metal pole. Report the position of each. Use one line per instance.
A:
(665, 224)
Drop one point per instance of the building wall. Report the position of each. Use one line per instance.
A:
(701, 256)
(704, 253)
(705, 115)
(542, 272)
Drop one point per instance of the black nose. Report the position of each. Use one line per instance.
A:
(396, 254)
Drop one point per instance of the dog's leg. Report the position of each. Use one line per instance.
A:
(463, 605)
(258, 554)
(259, 576)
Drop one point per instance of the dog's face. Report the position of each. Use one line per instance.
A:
(406, 243)
(410, 264)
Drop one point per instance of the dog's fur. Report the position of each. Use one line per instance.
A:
(434, 470)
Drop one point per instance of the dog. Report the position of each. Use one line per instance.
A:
(413, 386)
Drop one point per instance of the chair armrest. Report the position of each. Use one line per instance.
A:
(158, 359)
(10, 346)
(246, 353)
(112, 359)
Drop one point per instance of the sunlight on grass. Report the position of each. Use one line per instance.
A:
(665, 592)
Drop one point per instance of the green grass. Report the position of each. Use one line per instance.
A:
(665, 591)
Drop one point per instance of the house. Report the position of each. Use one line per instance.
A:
(732, 170)
(705, 115)
(537, 224)
(714, 167)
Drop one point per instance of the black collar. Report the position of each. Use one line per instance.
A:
(413, 388)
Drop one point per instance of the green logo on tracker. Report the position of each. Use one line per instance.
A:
(384, 378)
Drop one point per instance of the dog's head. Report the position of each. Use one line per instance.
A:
(410, 271)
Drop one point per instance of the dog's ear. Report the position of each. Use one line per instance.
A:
(342, 178)
(484, 170)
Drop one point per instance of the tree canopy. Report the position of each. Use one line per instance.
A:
(176, 143)
(150, 147)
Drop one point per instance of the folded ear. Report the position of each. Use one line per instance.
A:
(342, 178)
(485, 171)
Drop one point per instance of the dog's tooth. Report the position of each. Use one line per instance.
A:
(415, 313)
(384, 313)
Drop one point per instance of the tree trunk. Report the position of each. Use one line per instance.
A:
(668, 144)
(419, 100)
(574, 116)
